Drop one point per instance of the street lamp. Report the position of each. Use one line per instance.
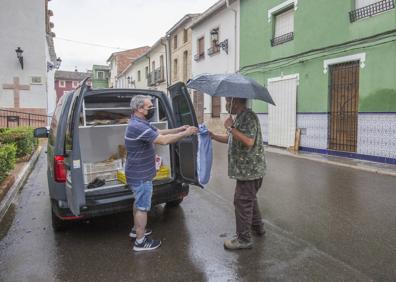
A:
(51, 66)
(58, 63)
(214, 34)
(19, 52)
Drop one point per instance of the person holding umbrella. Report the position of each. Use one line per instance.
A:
(246, 158)
(246, 164)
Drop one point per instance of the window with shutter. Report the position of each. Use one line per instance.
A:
(284, 23)
(201, 49)
(284, 27)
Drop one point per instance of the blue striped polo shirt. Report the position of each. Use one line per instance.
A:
(139, 143)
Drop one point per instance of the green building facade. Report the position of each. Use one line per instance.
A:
(100, 76)
(331, 69)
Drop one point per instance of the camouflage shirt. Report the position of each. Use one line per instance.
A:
(245, 164)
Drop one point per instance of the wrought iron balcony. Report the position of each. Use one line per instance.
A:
(159, 75)
(213, 50)
(371, 10)
(282, 39)
(199, 56)
(150, 79)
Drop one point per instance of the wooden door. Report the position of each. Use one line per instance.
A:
(198, 102)
(344, 102)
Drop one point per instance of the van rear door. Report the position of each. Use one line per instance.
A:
(74, 176)
(187, 148)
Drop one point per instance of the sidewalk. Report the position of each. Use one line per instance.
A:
(19, 175)
(380, 168)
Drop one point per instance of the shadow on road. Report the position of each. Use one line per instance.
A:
(101, 249)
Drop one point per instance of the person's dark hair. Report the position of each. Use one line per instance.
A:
(242, 100)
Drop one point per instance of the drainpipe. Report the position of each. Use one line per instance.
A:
(235, 33)
(149, 69)
(166, 64)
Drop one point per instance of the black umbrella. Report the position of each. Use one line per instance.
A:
(230, 85)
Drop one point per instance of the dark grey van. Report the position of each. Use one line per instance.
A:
(88, 129)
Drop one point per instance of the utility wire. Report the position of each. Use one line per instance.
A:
(361, 41)
(91, 44)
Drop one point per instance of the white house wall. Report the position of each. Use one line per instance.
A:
(23, 25)
(220, 62)
(113, 72)
(140, 66)
(50, 85)
(154, 55)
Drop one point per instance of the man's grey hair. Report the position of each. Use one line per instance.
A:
(137, 102)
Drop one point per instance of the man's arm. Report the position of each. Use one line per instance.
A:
(174, 137)
(248, 142)
(172, 130)
(222, 138)
(238, 135)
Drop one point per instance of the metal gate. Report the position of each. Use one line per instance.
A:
(282, 117)
(344, 102)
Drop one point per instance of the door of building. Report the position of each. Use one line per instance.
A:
(344, 102)
(282, 117)
(216, 106)
(198, 101)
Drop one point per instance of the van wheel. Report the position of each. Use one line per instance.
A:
(175, 203)
(58, 225)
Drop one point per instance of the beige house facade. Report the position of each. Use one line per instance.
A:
(179, 44)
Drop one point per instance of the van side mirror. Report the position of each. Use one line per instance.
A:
(41, 132)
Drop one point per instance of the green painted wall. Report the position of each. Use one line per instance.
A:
(318, 24)
(100, 83)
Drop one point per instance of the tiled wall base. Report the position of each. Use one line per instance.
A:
(376, 135)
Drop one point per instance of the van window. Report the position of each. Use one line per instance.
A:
(182, 111)
(70, 121)
(161, 111)
(55, 119)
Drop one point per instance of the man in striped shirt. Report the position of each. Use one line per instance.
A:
(140, 138)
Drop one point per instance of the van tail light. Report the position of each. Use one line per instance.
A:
(60, 169)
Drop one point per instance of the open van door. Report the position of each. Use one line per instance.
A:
(74, 176)
(186, 148)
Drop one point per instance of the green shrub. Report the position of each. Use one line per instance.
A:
(22, 137)
(7, 159)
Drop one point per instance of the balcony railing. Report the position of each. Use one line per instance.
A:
(156, 76)
(282, 39)
(199, 56)
(213, 50)
(159, 75)
(371, 10)
(150, 79)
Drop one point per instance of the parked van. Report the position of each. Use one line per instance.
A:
(86, 153)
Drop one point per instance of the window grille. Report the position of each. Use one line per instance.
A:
(370, 10)
(282, 39)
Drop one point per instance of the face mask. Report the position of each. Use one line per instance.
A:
(150, 114)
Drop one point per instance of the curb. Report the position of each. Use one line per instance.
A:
(18, 183)
(365, 168)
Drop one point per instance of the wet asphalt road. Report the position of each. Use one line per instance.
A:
(323, 222)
